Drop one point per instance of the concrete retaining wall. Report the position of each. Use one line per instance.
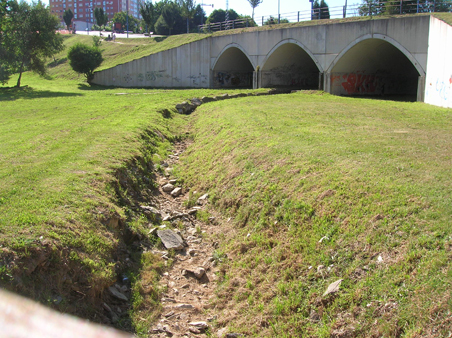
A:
(185, 66)
(438, 84)
(369, 57)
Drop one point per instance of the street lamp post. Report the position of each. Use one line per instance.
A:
(279, 15)
(202, 16)
(312, 8)
(127, 18)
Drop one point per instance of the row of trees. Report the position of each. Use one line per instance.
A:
(376, 7)
(27, 38)
(320, 10)
(175, 17)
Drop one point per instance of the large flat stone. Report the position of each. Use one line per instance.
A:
(170, 239)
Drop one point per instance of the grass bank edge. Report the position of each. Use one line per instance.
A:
(299, 227)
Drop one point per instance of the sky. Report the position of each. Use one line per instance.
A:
(270, 7)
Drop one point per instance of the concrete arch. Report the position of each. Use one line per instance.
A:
(393, 42)
(233, 68)
(376, 64)
(233, 45)
(295, 42)
(290, 64)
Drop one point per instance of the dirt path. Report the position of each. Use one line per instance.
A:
(190, 282)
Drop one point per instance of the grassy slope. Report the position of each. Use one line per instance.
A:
(125, 50)
(118, 52)
(74, 160)
(372, 176)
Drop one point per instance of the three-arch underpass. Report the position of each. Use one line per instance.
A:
(403, 57)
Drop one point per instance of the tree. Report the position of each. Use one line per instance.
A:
(188, 11)
(254, 4)
(121, 17)
(199, 17)
(101, 16)
(376, 7)
(169, 14)
(147, 13)
(271, 21)
(85, 59)
(67, 17)
(5, 72)
(28, 38)
(320, 10)
(219, 15)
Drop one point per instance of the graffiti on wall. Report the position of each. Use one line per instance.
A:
(360, 83)
(439, 89)
(356, 83)
(291, 76)
(127, 78)
(198, 79)
(233, 79)
(155, 75)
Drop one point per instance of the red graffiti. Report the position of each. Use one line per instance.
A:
(356, 83)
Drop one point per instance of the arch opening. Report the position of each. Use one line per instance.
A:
(233, 70)
(375, 67)
(290, 66)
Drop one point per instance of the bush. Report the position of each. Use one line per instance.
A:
(85, 59)
(96, 41)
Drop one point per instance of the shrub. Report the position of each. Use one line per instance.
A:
(85, 59)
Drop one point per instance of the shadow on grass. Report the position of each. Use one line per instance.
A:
(398, 98)
(13, 93)
(55, 63)
(87, 86)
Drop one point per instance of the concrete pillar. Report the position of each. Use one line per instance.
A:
(255, 79)
(420, 89)
(211, 78)
(327, 82)
(321, 81)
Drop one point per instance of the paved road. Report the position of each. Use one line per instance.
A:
(131, 36)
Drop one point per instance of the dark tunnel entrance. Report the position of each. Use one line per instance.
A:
(290, 66)
(375, 67)
(233, 70)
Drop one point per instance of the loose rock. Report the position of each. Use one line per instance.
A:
(117, 294)
(170, 239)
(202, 199)
(199, 272)
(176, 192)
(151, 210)
(168, 187)
(199, 325)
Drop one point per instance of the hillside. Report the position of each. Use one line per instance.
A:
(314, 189)
(124, 50)
(117, 52)
(305, 189)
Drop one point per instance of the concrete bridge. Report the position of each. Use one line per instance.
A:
(405, 56)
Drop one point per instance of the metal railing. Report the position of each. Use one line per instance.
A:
(369, 8)
(225, 25)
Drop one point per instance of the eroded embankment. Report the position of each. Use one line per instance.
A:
(116, 291)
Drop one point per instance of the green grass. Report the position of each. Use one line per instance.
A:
(75, 164)
(370, 177)
(118, 52)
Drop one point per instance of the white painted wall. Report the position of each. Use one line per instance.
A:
(438, 82)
